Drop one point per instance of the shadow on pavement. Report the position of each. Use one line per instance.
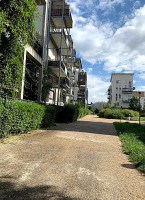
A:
(87, 127)
(129, 166)
(9, 191)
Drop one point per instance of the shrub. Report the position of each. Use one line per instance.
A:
(70, 113)
(132, 113)
(66, 114)
(101, 113)
(117, 113)
(96, 111)
(21, 117)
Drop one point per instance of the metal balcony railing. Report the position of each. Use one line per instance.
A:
(57, 11)
(127, 90)
(125, 100)
(64, 82)
(56, 64)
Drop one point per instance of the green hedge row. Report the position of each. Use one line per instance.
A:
(21, 117)
(70, 113)
(117, 113)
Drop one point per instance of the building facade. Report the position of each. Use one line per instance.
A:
(53, 49)
(121, 89)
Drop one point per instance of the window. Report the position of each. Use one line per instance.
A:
(118, 81)
(119, 96)
(117, 89)
(116, 97)
(130, 85)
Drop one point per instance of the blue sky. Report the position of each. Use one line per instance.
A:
(109, 36)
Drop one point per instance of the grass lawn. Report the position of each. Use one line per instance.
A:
(137, 119)
(132, 137)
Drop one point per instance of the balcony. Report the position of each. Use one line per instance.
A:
(55, 35)
(127, 90)
(70, 41)
(125, 100)
(82, 79)
(74, 83)
(81, 94)
(54, 65)
(70, 60)
(78, 63)
(40, 2)
(64, 83)
(56, 14)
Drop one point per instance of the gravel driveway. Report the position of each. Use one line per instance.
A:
(77, 161)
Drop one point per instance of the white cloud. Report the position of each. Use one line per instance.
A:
(142, 76)
(90, 70)
(109, 4)
(119, 50)
(97, 88)
(140, 88)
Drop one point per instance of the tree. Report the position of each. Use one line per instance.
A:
(134, 104)
(17, 27)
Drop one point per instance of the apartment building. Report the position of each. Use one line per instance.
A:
(53, 49)
(121, 89)
(81, 90)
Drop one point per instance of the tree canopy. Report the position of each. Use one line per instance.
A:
(134, 104)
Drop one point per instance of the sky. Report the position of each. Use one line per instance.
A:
(109, 36)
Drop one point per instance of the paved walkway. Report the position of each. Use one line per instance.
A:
(78, 161)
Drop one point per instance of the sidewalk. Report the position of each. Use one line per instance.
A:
(77, 161)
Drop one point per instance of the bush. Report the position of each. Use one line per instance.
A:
(66, 114)
(96, 111)
(70, 113)
(101, 113)
(132, 113)
(117, 113)
(21, 117)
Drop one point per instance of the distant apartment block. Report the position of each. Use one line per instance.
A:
(121, 89)
(54, 49)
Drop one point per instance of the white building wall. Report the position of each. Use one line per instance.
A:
(142, 102)
(118, 82)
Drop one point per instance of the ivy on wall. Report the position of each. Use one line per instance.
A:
(17, 28)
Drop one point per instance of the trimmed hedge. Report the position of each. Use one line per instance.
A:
(117, 113)
(70, 113)
(21, 117)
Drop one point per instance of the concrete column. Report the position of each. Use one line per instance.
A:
(44, 35)
(23, 76)
(45, 30)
